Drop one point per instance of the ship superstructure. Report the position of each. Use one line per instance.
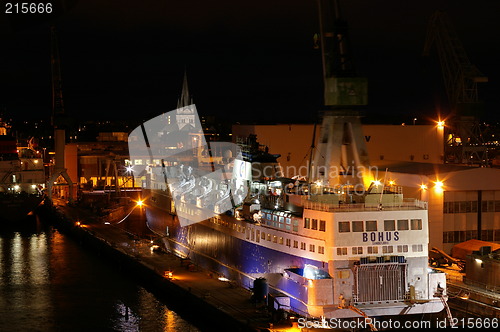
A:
(22, 178)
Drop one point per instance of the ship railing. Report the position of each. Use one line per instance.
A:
(410, 204)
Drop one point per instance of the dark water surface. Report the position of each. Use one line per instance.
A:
(48, 282)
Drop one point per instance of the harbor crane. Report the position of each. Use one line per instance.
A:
(464, 142)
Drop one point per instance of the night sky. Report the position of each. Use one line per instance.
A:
(247, 61)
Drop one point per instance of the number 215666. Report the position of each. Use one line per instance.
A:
(28, 8)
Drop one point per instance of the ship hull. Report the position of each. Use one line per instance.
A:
(15, 208)
(228, 254)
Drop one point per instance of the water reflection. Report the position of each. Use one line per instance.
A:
(48, 282)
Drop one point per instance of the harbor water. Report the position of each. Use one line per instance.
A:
(49, 282)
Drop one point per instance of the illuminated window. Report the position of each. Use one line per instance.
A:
(403, 248)
(314, 224)
(417, 248)
(307, 223)
(371, 225)
(322, 225)
(341, 251)
(263, 236)
(357, 226)
(275, 239)
(389, 225)
(416, 224)
(403, 225)
(344, 227)
(387, 249)
(357, 250)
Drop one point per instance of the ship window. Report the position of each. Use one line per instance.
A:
(344, 227)
(373, 250)
(269, 216)
(371, 225)
(321, 249)
(275, 239)
(322, 225)
(288, 242)
(263, 236)
(357, 250)
(303, 245)
(295, 244)
(269, 237)
(314, 224)
(357, 226)
(311, 248)
(257, 236)
(416, 224)
(280, 240)
(389, 225)
(295, 225)
(288, 221)
(403, 225)
(307, 223)
(341, 251)
(403, 248)
(417, 248)
(387, 249)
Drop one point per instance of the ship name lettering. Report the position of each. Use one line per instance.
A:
(380, 236)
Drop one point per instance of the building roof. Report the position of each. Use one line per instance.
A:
(454, 177)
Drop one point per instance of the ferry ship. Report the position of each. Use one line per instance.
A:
(22, 178)
(337, 242)
(323, 248)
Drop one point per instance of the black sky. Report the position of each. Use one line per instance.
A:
(249, 61)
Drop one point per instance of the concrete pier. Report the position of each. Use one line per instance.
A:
(216, 305)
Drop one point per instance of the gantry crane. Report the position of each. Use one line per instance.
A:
(464, 142)
(340, 157)
(59, 122)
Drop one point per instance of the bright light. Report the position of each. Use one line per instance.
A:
(16, 187)
(423, 187)
(438, 187)
(392, 183)
(440, 124)
(376, 183)
(33, 186)
(78, 223)
(478, 260)
(140, 203)
(223, 279)
(130, 169)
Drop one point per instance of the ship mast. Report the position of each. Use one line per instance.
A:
(59, 120)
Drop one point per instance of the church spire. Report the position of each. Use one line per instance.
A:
(185, 98)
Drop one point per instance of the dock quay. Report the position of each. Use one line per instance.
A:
(469, 299)
(212, 304)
